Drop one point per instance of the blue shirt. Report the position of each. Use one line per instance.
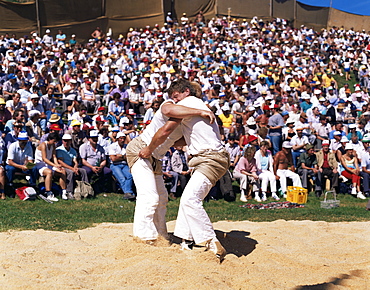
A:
(66, 156)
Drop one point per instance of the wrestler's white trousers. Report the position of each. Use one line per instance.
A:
(151, 202)
(283, 174)
(192, 221)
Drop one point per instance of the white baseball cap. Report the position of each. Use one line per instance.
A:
(67, 137)
(287, 144)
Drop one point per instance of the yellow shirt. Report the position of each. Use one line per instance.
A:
(327, 80)
(226, 121)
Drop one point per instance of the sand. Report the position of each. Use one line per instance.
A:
(274, 255)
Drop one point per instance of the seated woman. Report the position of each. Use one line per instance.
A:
(48, 166)
(351, 170)
(246, 170)
(265, 171)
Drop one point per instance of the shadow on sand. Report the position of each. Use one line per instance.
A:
(235, 242)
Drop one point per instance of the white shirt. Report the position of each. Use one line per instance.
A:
(115, 149)
(157, 122)
(199, 134)
(299, 141)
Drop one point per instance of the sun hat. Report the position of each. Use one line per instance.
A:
(67, 137)
(325, 142)
(54, 118)
(366, 138)
(287, 144)
(344, 139)
(251, 138)
(33, 113)
(93, 134)
(349, 146)
(35, 96)
(75, 123)
(55, 127)
(22, 136)
(120, 134)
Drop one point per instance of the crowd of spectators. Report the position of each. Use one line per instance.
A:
(71, 108)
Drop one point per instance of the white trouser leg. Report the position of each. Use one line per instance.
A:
(160, 212)
(192, 221)
(272, 180)
(264, 181)
(281, 174)
(286, 173)
(147, 200)
(295, 177)
(243, 179)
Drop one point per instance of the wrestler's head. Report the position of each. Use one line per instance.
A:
(179, 90)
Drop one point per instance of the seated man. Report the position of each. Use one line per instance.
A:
(119, 167)
(283, 167)
(328, 166)
(20, 153)
(67, 158)
(33, 128)
(307, 165)
(35, 105)
(94, 162)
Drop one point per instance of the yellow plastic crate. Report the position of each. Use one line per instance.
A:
(297, 194)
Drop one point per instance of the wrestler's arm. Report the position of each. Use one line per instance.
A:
(178, 111)
(159, 137)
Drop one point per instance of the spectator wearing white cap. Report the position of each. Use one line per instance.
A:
(71, 93)
(94, 161)
(67, 158)
(149, 96)
(124, 97)
(354, 140)
(350, 169)
(136, 98)
(33, 128)
(20, 153)
(116, 109)
(89, 99)
(47, 39)
(226, 118)
(284, 167)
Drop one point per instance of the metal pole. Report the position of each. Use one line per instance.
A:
(38, 18)
(270, 10)
(295, 13)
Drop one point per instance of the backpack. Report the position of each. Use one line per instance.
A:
(83, 189)
(26, 193)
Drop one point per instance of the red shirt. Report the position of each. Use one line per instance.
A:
(326, 163)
